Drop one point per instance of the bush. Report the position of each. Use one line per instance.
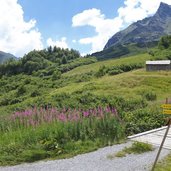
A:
(123, 68)
(165, 42)
(35, 93)
(101, 72)
(115, 72)
(56, 75)
(15, 100)
(21, 90)
(150, 96)
(143, 119)
(4, 101)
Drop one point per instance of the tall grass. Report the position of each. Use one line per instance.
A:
(40, 133)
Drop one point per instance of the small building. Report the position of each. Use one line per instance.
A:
(158, 65)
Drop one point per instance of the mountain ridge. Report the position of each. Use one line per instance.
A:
(5, 56)
(147, 30)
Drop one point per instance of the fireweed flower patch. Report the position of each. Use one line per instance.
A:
(37, 116)
(55, 132)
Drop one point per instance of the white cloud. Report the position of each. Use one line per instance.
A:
(104, 27)
(59, 43)
(138, 9)
(16, 35)
(83, 54)
(88, 17)
(74, 41)
(132, 11)
(86, 41)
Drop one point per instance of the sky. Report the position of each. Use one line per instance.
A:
(84, 25)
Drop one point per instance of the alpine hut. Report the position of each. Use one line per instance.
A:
(158, 65)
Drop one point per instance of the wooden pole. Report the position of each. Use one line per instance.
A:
(161, 146)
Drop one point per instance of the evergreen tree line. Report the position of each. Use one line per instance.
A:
(38, 59)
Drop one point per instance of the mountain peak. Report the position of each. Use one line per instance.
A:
(147, 30)
(163, 5)
(164, 10)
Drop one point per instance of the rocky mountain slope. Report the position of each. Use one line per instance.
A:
(147, 30)
(4, 56)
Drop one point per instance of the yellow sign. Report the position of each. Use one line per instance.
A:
(166, 106)
(167, 112)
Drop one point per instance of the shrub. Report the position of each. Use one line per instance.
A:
(35, 93)
(143, 119)
(115, 72)
(4, 101)
(123, 68)
(15, 100)
(101, 72)
(150, 96)
(21, 90)
(27, 81)
(56, 75)
(165, 42)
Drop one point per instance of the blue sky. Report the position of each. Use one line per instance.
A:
(54, 18)
(84, 25)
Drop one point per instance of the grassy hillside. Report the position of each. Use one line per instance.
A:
(127, 85)
(23, 91)
(20, 91)
(141, 58)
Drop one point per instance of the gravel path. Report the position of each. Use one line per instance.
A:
(95, 161)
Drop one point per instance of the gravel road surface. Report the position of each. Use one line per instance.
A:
(95, 161)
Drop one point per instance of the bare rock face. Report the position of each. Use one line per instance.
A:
(147, 30)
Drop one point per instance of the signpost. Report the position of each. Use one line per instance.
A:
(166, 110)
(166, 106)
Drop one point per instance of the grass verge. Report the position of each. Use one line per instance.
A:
(136, 148)
(164, 165)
